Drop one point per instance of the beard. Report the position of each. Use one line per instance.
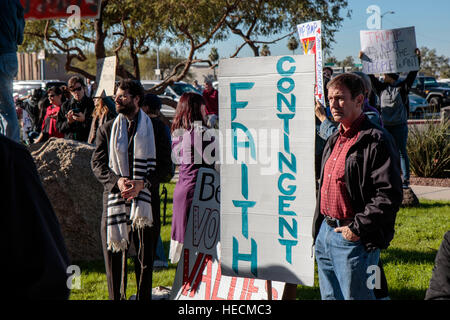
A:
(125, 109)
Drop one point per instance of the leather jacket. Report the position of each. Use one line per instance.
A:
(373, 180)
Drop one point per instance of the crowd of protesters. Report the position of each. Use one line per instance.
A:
(137, 148)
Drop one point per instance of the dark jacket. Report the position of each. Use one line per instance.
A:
(372, 177)
(34, 256)
(97, 122)
(101, 169)
(31, 106)
(12, 24)
(77, 130)
(439, 288)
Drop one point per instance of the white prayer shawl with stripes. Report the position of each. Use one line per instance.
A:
(139, 211)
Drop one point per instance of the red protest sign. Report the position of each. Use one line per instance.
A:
(51, 9)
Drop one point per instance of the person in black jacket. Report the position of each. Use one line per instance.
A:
(128, 96)
(439, 288)
(34, 256)
(360, 192)
(75, 117)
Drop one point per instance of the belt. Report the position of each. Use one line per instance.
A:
(334, 223)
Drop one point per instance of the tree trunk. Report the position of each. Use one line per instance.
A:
(255, 48)
(100, 35)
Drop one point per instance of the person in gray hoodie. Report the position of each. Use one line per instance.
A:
(12, 24)
(394, 104)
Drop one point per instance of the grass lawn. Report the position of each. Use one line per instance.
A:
(408, 262)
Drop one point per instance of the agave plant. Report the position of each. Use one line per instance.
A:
(429, 149)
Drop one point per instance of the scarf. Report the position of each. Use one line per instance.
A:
(138, 212)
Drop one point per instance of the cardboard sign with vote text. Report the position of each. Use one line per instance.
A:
(106, 76)
(389, 51)
(267, 131)
(199, 275)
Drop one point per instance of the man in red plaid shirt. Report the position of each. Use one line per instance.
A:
(359, 195)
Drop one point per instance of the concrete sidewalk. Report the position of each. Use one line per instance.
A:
(432, 193)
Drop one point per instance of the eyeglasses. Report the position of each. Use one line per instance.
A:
(51, 95)
(76, 89)
(122, 96)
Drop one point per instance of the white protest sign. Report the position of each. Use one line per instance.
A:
(106, 76)
(267, 132)
(310, 35)
(389, 51)
(199, 275)
(26, 124)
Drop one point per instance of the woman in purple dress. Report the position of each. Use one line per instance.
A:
(189, 141)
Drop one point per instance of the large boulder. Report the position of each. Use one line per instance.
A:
(75, 193)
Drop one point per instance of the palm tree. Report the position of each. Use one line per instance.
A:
(214, 57)
(265, 50)
(292, 44)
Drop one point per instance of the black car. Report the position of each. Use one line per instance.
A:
(428, 88)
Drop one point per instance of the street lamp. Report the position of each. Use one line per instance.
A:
(381, 18)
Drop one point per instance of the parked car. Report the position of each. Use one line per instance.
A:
(174, 91)
(429, 88)
(418, 106)
(24, 87)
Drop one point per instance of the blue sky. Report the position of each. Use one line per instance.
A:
(431, 19)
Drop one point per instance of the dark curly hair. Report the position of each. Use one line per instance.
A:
(134, 88)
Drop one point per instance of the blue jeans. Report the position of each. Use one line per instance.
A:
(8, 70)
(400, 135)
(343, 266)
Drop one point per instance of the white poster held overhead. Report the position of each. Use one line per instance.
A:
(199, 276)
(310, 35)
(389, 51)
(106, 76)
(267, 132)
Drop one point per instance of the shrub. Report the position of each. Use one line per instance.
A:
(429, 149)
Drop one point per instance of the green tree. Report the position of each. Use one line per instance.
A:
(191, 24)
(128, 28)
(168, 59)
(349, 61)
(257, 19)
(292, 44)
(332, 59)
(433, 64)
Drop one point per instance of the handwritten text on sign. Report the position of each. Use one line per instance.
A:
(389, 51)
(310, 35)
(265, 215)
(199, 275)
